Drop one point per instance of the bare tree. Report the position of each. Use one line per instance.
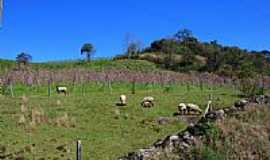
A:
(131, 46)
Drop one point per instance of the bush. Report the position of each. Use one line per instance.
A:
(248, 86)
(209, 154)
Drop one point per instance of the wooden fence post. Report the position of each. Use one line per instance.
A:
(49, 88)
(133, 87)
(208, 108)
(79, 150)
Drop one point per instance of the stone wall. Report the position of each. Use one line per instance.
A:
(183, 141)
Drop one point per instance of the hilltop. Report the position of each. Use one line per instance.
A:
(95, 64)
(184, 52)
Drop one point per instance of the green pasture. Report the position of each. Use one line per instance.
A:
(106, 131)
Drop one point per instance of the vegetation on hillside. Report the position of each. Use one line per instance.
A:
(184, 52)
(243, 137)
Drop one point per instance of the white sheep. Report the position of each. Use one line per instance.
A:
(149, 99)
(147, 102)
(123, 100)
(182, 108)
(61, 89)
(194, 108)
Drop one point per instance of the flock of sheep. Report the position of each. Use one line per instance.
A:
(148, 102)
(183, 109)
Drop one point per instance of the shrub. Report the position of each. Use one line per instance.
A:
(248, 86)
(209, 154)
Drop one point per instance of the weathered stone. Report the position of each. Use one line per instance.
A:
(215, 115)
(163, 120)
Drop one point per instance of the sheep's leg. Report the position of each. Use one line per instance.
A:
(184, 112)
(188, 111)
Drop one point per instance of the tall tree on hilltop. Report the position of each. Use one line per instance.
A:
(88, 49)
(23, 58)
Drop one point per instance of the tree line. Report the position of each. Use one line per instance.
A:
(194, 55)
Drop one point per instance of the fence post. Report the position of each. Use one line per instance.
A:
(208, 108)
(133, 87)
(79, 150)
(49, 88)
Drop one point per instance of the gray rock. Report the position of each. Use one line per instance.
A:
(214, 115)
(163, 120)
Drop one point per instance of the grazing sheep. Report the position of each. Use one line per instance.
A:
(61, 89)
(241, 104)
(193, 108)
(182, 108)
(123, 100)
(147, 102)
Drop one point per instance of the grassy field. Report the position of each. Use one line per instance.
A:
(89, 113)
(97, 64)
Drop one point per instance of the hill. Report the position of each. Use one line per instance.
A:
(98, 64)
(184, 52)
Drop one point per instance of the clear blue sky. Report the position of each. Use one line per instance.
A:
(56, 29)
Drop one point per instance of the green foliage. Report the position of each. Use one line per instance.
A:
(23, 58)
(6, 65)
(248, 86)
(219, 58)
(212, 132)
(134, 65)
(98, 64)
(210, 154)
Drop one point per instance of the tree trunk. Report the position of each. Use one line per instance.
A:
(88, 57)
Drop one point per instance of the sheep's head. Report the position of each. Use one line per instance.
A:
(182, 106)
